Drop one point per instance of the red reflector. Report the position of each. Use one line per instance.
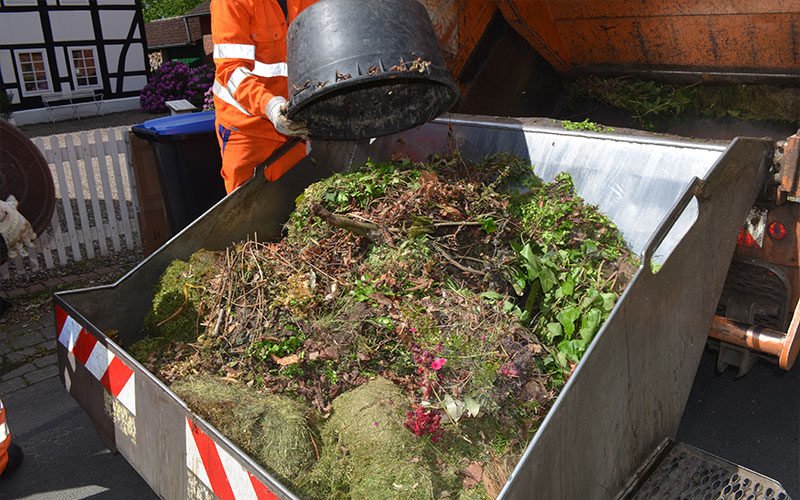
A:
(747, 240)
(777, 231)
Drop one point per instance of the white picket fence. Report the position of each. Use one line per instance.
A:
(96, 203)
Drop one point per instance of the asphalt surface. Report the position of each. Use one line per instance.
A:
(752, 421)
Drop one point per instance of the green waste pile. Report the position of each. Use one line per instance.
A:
(409, 333)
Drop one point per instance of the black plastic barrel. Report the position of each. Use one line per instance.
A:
(188, 162)
(366, 68)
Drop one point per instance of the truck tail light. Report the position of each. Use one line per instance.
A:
(777, 231)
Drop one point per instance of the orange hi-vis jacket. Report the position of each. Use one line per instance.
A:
(250, 55)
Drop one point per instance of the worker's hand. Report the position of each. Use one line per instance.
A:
(15, 229)
(276, 112)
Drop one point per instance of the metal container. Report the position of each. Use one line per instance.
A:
(677, 203)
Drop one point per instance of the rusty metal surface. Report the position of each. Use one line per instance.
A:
(757, 338)
(25, 174)
(459, 25)
(628, 392)
(678, 471)
(747, 38)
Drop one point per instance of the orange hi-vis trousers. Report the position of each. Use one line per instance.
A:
(242, 153)
(5, 439)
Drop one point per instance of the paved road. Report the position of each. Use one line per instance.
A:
(64, 457)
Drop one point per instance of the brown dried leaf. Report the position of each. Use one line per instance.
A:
(288, 360)
(329, 353)
(473, 474)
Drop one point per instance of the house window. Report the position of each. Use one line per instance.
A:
(32, 65)
(84, 67)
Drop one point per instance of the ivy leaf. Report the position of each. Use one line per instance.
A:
(567, 318)
(566, 289)
(609, 299)
(554, 330)
(590, 322)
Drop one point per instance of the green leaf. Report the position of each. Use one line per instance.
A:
(567, 318)
(566, 289)
(490, 295)
(488, 224)
(590, 323)
(554, 331)
(609, 299)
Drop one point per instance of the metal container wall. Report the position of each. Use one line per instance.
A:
(682, 200)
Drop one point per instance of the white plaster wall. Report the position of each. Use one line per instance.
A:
(112, 57)
(134, 61)
(116, 24)
(132, 83)
(20, 27)
(7, 67)
(61, 62)
(72, 25)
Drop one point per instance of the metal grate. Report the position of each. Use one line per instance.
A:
(686, 473)
(754, 294)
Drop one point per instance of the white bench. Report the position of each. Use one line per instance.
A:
(73, 99)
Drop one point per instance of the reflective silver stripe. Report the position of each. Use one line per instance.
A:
(271, 70)
(236, 78)
(3, 432)
(226, 96)
(234, 51)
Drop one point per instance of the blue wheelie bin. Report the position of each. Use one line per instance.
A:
(188, 162)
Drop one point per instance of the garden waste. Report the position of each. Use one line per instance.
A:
(405, 338)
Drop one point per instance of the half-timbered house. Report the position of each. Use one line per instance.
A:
(70, 58)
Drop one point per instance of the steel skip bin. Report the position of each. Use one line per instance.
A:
(678, 204)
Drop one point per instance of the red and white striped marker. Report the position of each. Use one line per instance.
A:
(219, 471)
(115, 375)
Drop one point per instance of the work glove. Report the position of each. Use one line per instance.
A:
(15, 229)
(276, 112)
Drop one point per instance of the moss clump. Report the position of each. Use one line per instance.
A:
(182, 288)
(272, 429)
(367, 451)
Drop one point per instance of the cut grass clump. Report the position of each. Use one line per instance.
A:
(177, 303)
(367, 423)
(271, 428)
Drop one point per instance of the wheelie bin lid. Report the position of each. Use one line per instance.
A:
(188, 123)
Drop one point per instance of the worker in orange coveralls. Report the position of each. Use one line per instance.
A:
(10, 453)
(251, 86)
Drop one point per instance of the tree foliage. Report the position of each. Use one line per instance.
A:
(160, 9)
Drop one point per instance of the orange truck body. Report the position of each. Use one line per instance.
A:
(717, 39)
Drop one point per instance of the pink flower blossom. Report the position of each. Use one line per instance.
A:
(412, 330)
(438, 363)
(509, 370)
